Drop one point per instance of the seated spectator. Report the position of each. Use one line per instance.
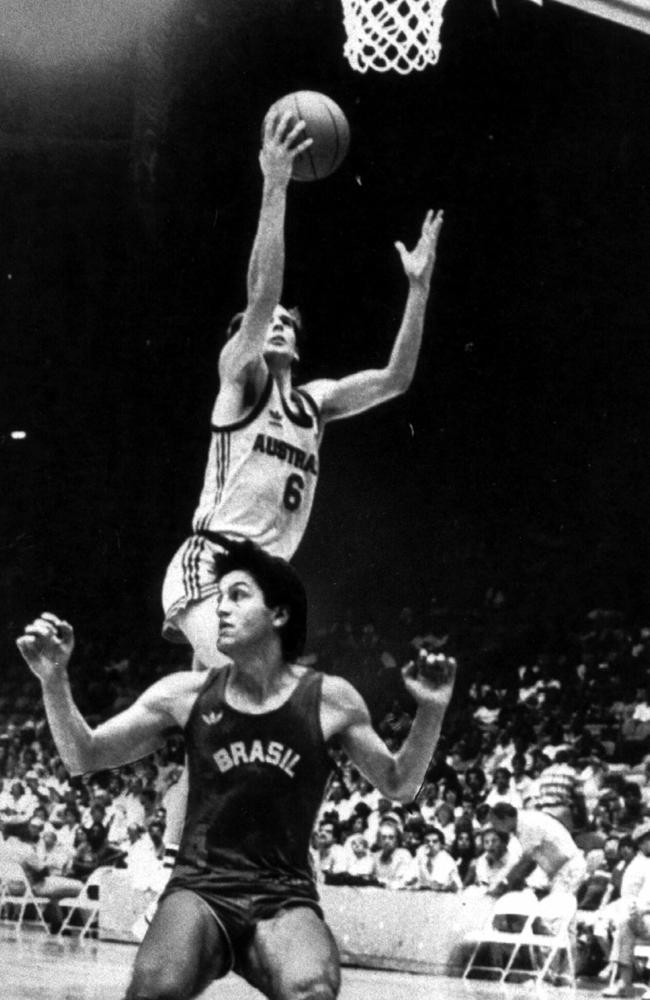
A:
(465, 815)
(436, 869)
(358, 822)
(58, 781)
(46, 881)
(329, 856)
(365, 793)
(384, 806)
(68, 830)
(476, 782)
(445, 820)
(19, 802)
(93, 851)
(440, 771)
(502, 789)
(359, 862)
(626, 851)
(414, 831)
(521, 780)
(429, 801)
(634, 916)
(596, 886)
(592, 777)
(463, 850)
(492, 865)
(393, 866)
(54, 856)
(336, 805)
(20, 846)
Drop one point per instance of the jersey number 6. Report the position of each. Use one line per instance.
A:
(293, 491)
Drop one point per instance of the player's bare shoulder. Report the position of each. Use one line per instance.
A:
(341, 705)
(174, 695)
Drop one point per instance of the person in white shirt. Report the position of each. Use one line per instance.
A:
(53, 856)
(67, 832)
(634, 920)
(545, 844)
(364, 792)
(58, 782)
(393, 866)
(329, 856)
(445, 821)
(435, 867)
(502, 789)
(359, 860)
(336, 803)
(20, 802)
(493, 864)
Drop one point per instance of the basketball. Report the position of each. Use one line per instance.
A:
(325, 124)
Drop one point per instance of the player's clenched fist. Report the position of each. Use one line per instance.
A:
(430, 678)
(46, 646)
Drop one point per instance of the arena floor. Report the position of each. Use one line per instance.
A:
(33, 968)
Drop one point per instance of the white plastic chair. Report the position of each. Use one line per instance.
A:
(87, 904)
(519, 907)
(17, 898)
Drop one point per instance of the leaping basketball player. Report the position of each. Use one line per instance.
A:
(263, 461)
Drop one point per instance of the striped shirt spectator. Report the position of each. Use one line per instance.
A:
(559, 790)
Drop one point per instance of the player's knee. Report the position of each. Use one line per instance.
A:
(321, 987)
(156, 983)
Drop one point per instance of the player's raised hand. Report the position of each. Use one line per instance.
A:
(282, 141)
(46, 646)
(418, 262)
(430, 679)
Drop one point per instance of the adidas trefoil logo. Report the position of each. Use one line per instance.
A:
(212, 718)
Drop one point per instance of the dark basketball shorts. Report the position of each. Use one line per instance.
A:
(238, 905)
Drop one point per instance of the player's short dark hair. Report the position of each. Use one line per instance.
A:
(279, 583)
(294, 312)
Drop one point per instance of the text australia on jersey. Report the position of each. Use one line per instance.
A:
(305, 461)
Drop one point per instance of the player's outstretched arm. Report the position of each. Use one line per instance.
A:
(400, 775)
(356, 393)
(46, 646)
(281, 144)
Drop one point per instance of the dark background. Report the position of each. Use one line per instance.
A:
(129, 191)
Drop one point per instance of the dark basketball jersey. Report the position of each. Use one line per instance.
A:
(255, 785)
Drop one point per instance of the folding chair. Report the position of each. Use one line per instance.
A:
(17, 898)
(550, 931)
(513, 907)
(86, 904)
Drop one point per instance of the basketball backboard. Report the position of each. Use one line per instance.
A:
(631, 13)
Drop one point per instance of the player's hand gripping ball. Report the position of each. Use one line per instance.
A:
(325, 123)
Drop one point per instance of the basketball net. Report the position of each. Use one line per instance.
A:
(399, 35)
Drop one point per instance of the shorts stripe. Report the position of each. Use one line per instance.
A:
(191, 564)
(220, 468)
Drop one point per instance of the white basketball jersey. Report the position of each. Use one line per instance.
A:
(261, 473)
